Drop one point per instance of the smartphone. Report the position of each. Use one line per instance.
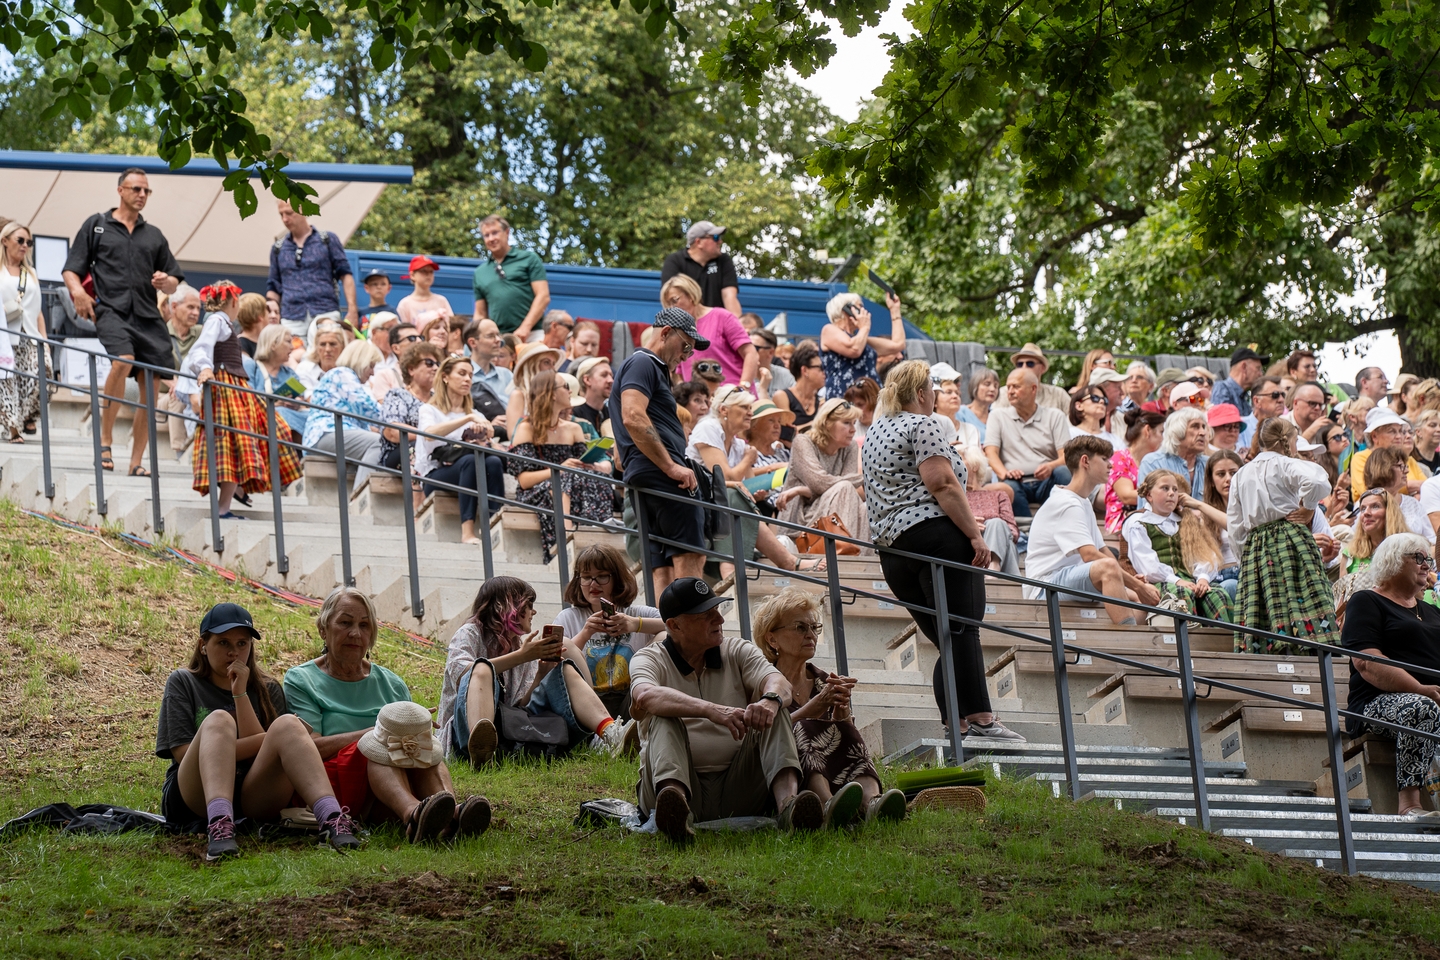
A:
(607, 607)
(552, 632)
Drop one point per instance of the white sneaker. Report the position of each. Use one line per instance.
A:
(619, 738)
(994, 730)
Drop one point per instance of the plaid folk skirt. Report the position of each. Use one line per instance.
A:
(1284, 589)
(241, 460)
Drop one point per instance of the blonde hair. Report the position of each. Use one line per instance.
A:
(359, 355)
(27, 265)
(1199, 542)
(770, 616)
(1359, 546)
(326, 328)
(251, 312)
(331, 607)
(440, 397)
(682, 283)
(902, 387)
(835, 307)
(820, 429)
(977, 467)
(272, 340)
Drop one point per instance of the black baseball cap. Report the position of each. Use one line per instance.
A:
(373, 274)
(682, 321)
(228, 616)
(1247, 353)
(688, 595)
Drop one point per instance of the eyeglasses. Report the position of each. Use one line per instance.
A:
(1336, 437)
(142, 191)
(814, 366)
(1273, 395)
(715, 237)
(599, 579)
(413, 338)
(807, 628)
(1309, 403)
(1105, 363)
(1424, 559)
(498, 269)
(1201, 381)
(1027, 363)
(429, 362)
(707, 366)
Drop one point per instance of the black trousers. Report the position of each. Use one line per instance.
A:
(461, 473)
(911, 581)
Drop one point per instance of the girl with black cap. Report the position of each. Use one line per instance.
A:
(226, 729)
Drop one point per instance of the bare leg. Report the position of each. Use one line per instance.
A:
(287, 764)
(785, 786)
(819, 785)
(480, 698)
(1106, 576)
(427, 781)
(207, 771)
(773, 550)
(689, 565)
(1409, 800)
(113, 394)
(663, 577)
(391, 786)
(227, 494)
(589, 711)
(139, 436)
(869, 787)
(467, 532)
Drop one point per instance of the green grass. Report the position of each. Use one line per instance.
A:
(88, 631)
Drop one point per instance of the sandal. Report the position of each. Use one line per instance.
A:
(30, 428)
(107, 462)
(17, 439)
(472, 818)
(430, 818)
(815, 565)
(138, 471)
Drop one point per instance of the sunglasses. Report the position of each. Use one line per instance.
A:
(22, 241)
(139, 190)
(413, 338)
(1273, 395)
(1096, 398)
(1105, 363)
(1203, 382)
(1027, 363)
(429, 362)
(1309, 403)
(707, 366)
(715, 237)
(1335, 438)
(499, 270)
(1380, 492)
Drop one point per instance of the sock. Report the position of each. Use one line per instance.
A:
(600, 730)
(219, 807)
(325, 808)
(1130, 620)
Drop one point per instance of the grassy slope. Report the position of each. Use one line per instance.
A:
(89, 628)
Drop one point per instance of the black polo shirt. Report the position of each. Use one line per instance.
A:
(122, 263)
(712, 277)
(647, 373)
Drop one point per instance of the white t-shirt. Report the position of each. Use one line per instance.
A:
(1063, 525)
(1417, 516)
(709, 432)
(431, 417)
(1430, 496)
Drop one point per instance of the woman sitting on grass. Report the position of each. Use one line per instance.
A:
(226, 730)
(834, 760)
(339, 694)
(607, 638)
(495, 659)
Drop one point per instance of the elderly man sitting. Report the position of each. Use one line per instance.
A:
(718, 741)
(1024, 440)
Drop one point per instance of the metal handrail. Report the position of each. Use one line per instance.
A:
(743, 566)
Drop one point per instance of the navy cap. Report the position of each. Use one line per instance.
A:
(1247, 353)
(228, 616)
(688, 595)
(377, 272)
(682, 321)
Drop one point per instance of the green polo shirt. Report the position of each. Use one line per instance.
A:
(508, 298)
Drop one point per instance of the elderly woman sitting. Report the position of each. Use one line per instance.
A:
(824, 475)
(834, 760)
(339, 695)
(343, 389)
(1389, 621)
(990, 503)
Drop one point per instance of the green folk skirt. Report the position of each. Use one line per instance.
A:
(1284, 589)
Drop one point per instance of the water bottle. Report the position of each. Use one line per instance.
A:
(1432, 781)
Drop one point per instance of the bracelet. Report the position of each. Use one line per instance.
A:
(241, 696)
(639, 624)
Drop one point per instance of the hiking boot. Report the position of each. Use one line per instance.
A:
(672, 815)
(483, 740)
(620, 739)
(994, 730)
(890, 805)
(339, 832)
(222, 840)
(804, 811)
(472, 818)
(844, 806)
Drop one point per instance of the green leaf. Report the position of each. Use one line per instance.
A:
(439, 59)
(537, 58)
(120, 97)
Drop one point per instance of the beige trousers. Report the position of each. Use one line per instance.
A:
(740, 790)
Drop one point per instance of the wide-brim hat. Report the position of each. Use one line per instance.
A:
(767, 409)
(1030, 350)
(1223, 414)
(401, 737)
(1169, 375)
(1377, 417)
(528, 353)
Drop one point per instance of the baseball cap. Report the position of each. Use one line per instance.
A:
(686, 596)
(420, 263)
(1247, 353)
(1378, 417)
(1183, 391)
(943, 372)
(228, 616)
(1305, 446)
(1222, 414)
(702, 228)
(1169, 375)
(586, 365)
(376, 274)
(682, 321)
(1104, 375)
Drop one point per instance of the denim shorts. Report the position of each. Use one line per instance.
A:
(1074, 577)
(551, 696)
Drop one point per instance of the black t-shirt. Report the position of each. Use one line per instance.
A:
(248, 346)
(1433, 464)
(712, 277)
(189, 699)
(122, 263)
(647, 373)
(1410, 635)
(589, 414)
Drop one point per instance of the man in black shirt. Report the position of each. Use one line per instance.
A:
(128, 260)
(651, 444)
(704, 262)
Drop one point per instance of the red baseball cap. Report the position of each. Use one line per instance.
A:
(420, 263)
(1223, 414)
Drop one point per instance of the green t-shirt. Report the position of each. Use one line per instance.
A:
(333, 706)
(507, 299)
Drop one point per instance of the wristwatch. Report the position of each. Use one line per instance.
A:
(772, 695)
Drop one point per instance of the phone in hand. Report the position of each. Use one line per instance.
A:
(607, 607)
(552, 633)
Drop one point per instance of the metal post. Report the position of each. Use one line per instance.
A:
(482, 517)
(837, 608)
(157, 517)
(342, 481)
(45, 423)
(643, 534)
(417, 605)
(947, 663)
(742, 582)
(272, 433)
(100, 506)
(1192, 723)
(1337, 762)
(1062, 693)
(557, 501)
(207, 407)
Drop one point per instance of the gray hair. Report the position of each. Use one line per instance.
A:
(331, 607)
(835, 308)
(1393, 553)
(1142, 368)
(1176, 426)
(553, 317)
(184, 291)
